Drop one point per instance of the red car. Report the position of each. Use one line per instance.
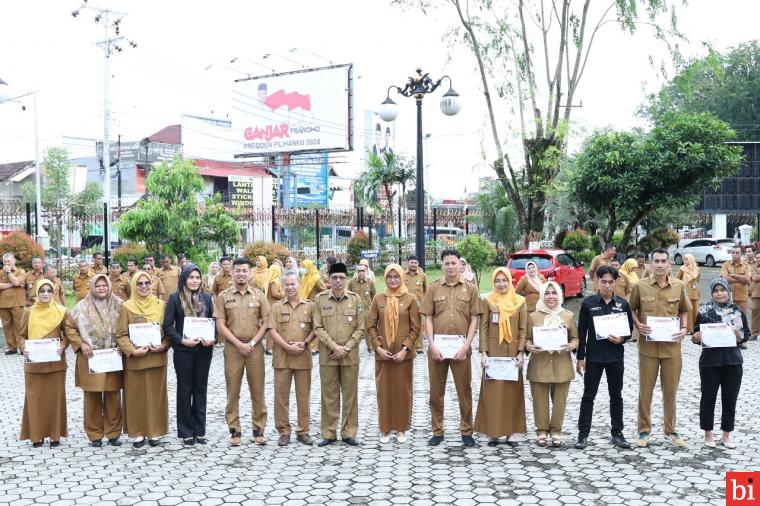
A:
(555, 265)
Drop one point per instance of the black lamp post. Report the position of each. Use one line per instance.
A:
(418, 86)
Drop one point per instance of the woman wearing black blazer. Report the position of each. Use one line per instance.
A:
(192, 358)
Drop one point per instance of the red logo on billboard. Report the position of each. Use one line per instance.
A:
(742, 490)
(290, 100)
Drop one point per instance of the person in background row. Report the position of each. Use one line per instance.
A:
(224, 279)
(119, 284)
(274, 294)
(529, 285)
(465, 271)
(150, 259)
(12, 301)
(503, 332)
(146, 401)
(393, 326)
(51, 273)
(44, 414)
(361, 285)
(754, 294)
(97, 264)
(278, 263)
(92, 326)
(291, 265)
(260, 273)
(370, 274)
(416, 282)
(720, 368)
(192, 357)
(169, 276)
(608, 253)
(689, 274)
(599, 355)
(550, 372)
(324, 271)
(81, 281)
(156, 286)
(31, 278)
(181, 261)
(622, 285)
(131, 268)
(737, 273)
(629, 269)
(311, 286)
(642, 269)
(208, 280)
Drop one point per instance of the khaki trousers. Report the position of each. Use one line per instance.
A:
(542, 393)
(337, 381)
(102, 415)
(11, 318)
(755, 322)
(670, 374)
(438, 373)
(235, 365)
(282, 382)
(418, 344)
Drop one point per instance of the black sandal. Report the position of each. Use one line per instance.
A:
(201, 440)
(188, 441)
(38, 443)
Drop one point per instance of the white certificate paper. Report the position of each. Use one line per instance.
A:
(502, 368)
(449, 344)
(107, 360)
(145, 334)
(613, 324)
(663, 328)
(198, 329)
(42, 350)
(550, 338)
(717, 335)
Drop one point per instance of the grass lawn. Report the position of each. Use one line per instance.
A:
(434, 274)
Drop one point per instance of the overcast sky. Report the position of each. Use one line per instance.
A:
(44, 48)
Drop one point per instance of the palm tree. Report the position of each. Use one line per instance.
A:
(376, 186)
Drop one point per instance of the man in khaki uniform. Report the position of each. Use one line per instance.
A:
(81, 281)
(31, 278)
(365, 288)
(131, 268)
(324, 271)
(59, 294)
(241, 313)
(451, 307)
(12, 300)
(339, 325)
(119, 283)
(622, 286)
(97, 264)
(156, 287)
(659, 295)
(642, 269)
(604, 259)
(737, 273)
(290, 325)
(754, 291)
(223, 280)
(169, 276)
(416, 282)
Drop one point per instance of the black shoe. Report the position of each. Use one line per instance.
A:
(619, 441)
(511, 444)
(419, 352)
(493, 442)
(154, 442)
(284, 440)
(753, 338)
(325, 442)
(582, 443)
(268, 352)
(38, 444)
(188, 441)
(350, 441)
(114, 441)
(314, 353)
(435, 440)
(201, 440)
(138, 444)
(11, 352)
(468, 441)
(743, 346)
(55, 444)
(304, 439)
(96, 443)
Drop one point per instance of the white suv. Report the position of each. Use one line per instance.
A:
(706, 251)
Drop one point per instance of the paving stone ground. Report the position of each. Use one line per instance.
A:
(375, 473)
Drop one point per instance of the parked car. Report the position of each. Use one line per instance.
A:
(555, 265)
(706, 251)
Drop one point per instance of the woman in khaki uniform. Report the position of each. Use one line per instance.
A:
(689, 274)
(311, 286)
(92, 326)
(146, 402)
(550, 372)
(503, 329)
(45, 382)
(274, 293)
(529, 285)
(393, 326)
(623, 286)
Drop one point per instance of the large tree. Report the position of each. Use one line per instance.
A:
(532, 56)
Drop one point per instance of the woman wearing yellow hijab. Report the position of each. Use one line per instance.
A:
(503, 329)
(274, 292)
(146, 403)
(393, 327)
(628, 269)
(311, 283)
(689, 274)
(45, 382)
(261, 273)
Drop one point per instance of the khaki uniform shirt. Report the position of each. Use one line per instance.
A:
(338, 322)
(451, 306)
(642, 272)
(649, 299)
(552, 367)
(324, 274)
(30, 279)
(157, 287)
(416, 283)
(14, 296)
(408, 325)
(692, 287)
(739, 291)
(121, 287)
(82, 285)
(169, 278)
(622, 287)
(99, 270)
(294, 324)
(597, 262)
(365, 289)
(754, 287)
(243, 312)
(528, 291)
(59, 294)
(221, 283)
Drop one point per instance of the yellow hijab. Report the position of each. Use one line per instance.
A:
(391, 304)
(628, 269)
(691, 272)
(44, 317)
(508, 303)
(309, 279)
(274, 274)
(261, 273)
(149, 306)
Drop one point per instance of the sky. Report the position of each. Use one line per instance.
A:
(45, 49)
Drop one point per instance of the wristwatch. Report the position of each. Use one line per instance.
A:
(405, 349)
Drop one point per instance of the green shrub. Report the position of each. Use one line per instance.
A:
(576, 240)
(585, 257)
(478, 252)
(356, 244)
(596, 244)
(659, 238)
(23, 247)
(559, 237)
(130, 250)
(270, 250)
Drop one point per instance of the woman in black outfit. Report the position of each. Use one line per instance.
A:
(192, 358)
(720, 367)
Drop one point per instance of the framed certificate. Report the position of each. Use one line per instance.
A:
(502, 368)
(614, 324)
(550, 338)
(717, 335)
(106, 360)
(199, 329)
(449, 344)
(663, 328)
(145, 334)
(42, 350)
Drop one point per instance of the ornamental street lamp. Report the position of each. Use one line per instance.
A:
(418, 86)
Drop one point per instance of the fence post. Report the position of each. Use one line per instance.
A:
(399, 232)
(370, 223)
(435, 236)
(316, 215)
(29, 218)
(274, 224)
(106, 239)
(36, 222)
(466, 223)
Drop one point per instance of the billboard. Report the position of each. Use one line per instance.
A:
(249, 191)
(307, 110)
(306, 181)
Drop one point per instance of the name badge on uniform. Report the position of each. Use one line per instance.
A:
(419, 282)
(303, 325)
(250, 304)
(494, 317)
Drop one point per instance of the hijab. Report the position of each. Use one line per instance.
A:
(392, 297)
(691, 272)
(508, 303)
(628, 269)
(309, 279)
(294, 263)
(260, 273)
(96, 319)
(535, 280)
(274, 275)
(714, 312)
(192, 302)
(467, 274)
(551, 318)
(44, 317)
(148, 306)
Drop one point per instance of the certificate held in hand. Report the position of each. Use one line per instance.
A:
(663, 328)
(42, 350)
(614, 324)
(448, 344)
(145, 334)
(550, 338)
(106, 360)
(502, 368)
(717, 335)
(198, 329)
